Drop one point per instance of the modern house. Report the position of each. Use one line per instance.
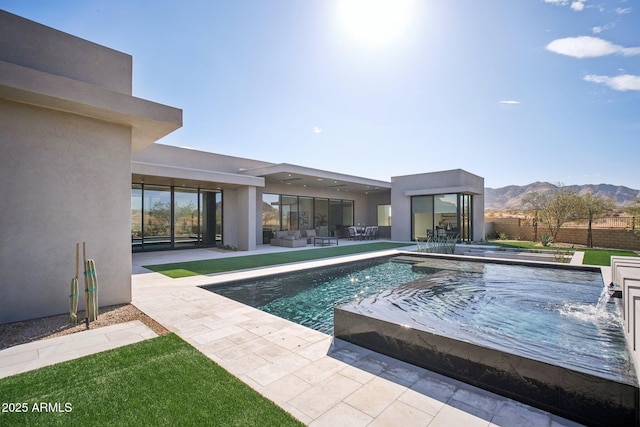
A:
(79, 163)
(187, 198)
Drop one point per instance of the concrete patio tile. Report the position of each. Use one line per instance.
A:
(375, 396)
(243, 365)
(242, 337)
(295, 412)
(272, 352)
(249, 347)
(476, 401)
(212, 335)
(342, 415)
(319, 370)
(511, 413)
(450, 416)
(401, 414)
(316, 350)
(422, 402)
(50, 359)
(277, 369)
(286, 338)
(323, 396)
(358, 375)
(403, 373)
(435, 388)
(285, 389)
(376, 363)
(18, 358)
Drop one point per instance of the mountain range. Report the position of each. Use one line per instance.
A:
(510, 197)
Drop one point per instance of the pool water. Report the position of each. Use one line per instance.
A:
(308, 297)
(542, 313)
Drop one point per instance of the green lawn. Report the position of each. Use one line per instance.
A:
(157, 382)
(591, 256)
(220, 265)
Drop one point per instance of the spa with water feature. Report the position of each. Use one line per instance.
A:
(548, 335)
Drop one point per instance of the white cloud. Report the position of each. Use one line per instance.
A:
(621, 83)
(601, 28)
(623, 11)
(589, 47)
(510, 102)
(317, 130)
(578, 6)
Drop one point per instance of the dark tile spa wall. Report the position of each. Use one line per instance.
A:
(582, 397)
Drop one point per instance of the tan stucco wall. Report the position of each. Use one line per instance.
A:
(63, 178)
(69, 126)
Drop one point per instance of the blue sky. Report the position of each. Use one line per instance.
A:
(514, 91)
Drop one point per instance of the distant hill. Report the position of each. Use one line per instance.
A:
(510, 197)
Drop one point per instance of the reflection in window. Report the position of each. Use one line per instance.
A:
(321, 217)
(186, 224)
(136, 216)
(164, 217)
(305, 220)
(441, 215)
(157, 216)
(421, 216)
(271, 212)
(384, 216)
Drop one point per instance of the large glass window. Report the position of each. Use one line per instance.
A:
(347, 213)
(321, 217)
(335, 217)
(441, 215)
(165, 217)
(186, 218)
(156, 226)
(305, 206)
(421, 216)
(384, 216)
(466, 233)
(289, 211)
(327, 217)
(446, 213)
(271, 212)
(136, 216)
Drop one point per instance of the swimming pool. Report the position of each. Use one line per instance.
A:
(544, 313)
(530, 333)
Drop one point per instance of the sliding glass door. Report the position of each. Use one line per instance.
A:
(164, 217)
(442, 215)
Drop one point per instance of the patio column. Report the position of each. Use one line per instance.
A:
(246, 218)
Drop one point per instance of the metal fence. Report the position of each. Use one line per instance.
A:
(612, 222)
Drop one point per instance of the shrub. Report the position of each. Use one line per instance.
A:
(502, 235)
(546, 240)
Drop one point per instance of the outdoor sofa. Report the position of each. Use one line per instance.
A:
(289, 239)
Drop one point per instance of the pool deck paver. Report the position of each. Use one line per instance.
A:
(320, 380)
(36, 354)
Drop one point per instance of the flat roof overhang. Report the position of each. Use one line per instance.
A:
(467, 189)
(151, 173)
(284, 173)
(149, 121)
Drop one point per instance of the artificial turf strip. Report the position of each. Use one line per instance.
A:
(220, 265)
(601, 257)
(157, 382)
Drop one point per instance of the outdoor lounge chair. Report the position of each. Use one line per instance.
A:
(354, 234)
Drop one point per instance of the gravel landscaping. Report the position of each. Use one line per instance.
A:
(17, 333)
